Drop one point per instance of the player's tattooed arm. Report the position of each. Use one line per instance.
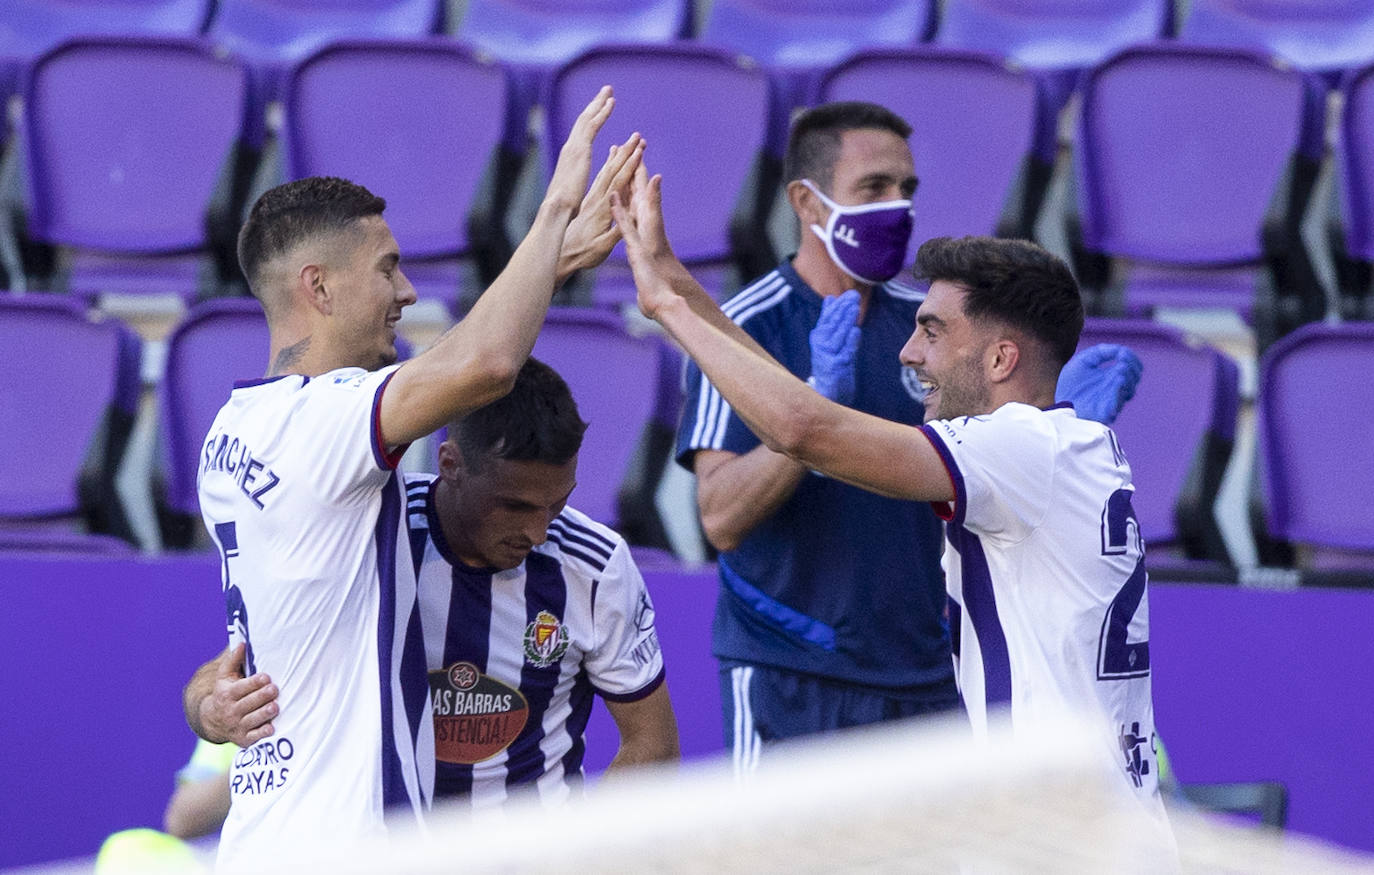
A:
(222, 705)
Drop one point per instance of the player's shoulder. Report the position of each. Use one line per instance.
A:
(904, 293)
(418, 492)
(767, 301)
(349, 379)
(583, 545)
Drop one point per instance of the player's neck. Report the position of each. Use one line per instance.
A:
(445, 508)
(812, 263)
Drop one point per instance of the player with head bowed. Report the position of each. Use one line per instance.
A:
(299, 491)
(831, 605)
(529, 608)
(1044, 562)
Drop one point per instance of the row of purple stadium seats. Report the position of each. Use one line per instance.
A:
(74, 368)
(1194, 165)
(1178, 430)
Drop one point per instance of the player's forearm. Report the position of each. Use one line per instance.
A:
(193, 697)
(648, 731)
(736, 494)
(476, 361)
(197, 808)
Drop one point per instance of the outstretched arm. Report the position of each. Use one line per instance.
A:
(476, 361)
(785, 413)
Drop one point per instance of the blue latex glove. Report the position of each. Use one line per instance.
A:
(834, 341)
(1099, 381)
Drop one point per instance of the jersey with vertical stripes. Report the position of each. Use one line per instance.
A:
(308, 513)
(839, 582)
(1047, 584)
(516, 656)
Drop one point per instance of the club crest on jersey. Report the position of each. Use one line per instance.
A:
(546, 640)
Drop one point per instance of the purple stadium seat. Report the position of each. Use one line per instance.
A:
(533, 38)
(417, 122)
(1056, 39)
(797, 40)
(664, 92)
(1177, 432)
(1318, 37)
(1312, 417)
(272, 35)
(1353, 235)
(614, 379)
(975, 121)
(30, 27)
(68, 407)
(216, 344)
(1193, 168)
(125, 141)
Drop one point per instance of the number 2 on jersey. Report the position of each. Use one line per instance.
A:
(1118, 657)
(226, 535)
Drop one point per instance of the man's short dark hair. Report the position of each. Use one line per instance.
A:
(1013, 281)
(296, 211)
(537, 422)
(814, 144)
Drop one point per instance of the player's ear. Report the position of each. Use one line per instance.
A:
(450, 461)
(312, 280)
(1003, 356)
(808, 207)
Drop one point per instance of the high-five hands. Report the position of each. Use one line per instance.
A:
(593, 233)
(574, 167)
(657, 270)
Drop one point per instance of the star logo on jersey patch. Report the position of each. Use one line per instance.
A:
(546, 640)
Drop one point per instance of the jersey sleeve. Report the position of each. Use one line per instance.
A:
(340, 422)
(626, 662)
(1002, 466)
(709, 422)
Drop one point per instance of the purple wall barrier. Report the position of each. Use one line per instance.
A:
(1249, 685)
(1255, 685)
(95, 655)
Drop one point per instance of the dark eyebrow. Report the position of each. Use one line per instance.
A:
(390, 260)
(924, 319)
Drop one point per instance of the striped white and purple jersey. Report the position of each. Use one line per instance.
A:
(516, 656)
(308, 513)
(1045, 571)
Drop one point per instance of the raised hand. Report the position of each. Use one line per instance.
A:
(593, 233)
(1099, 381)
(834, 342)
(657, 271)
(570, 174)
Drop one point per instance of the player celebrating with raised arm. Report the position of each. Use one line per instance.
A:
(1044, 561)
(298, 487)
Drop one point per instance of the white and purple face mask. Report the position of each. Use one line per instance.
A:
(867, 241)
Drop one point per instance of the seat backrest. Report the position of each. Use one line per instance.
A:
(218, 343)
(1265, 800)
(1052, 34)
(614, 379)
(664, 92)
(815, 33)
(546, 33)
(65, 372)
(974, 125)
(34, 26)
(284, 31)
(1318, 37)
(1355, 154)
(416, 122)
(1312, 420)
(125, 139)
(1187, 391)
(1180, 150)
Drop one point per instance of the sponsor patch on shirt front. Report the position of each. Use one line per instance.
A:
(476, 716)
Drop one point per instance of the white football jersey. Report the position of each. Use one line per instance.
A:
(516, 656)
(1045, 571)
(309, 516)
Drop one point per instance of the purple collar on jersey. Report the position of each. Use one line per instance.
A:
(262, 381)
